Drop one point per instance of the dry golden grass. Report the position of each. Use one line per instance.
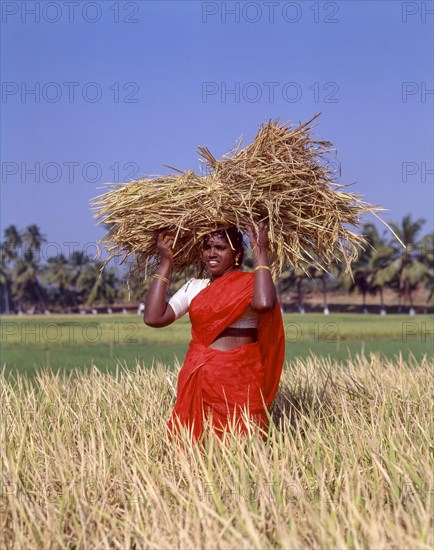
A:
(284, 177)
(86, 463)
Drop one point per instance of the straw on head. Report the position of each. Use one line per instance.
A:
(283, 177)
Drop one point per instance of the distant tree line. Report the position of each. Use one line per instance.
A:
(57, 283)
(28, 281)
(383, 264)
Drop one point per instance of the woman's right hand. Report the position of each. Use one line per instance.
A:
(164, 246)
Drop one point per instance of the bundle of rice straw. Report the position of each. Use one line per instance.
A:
(283, 177)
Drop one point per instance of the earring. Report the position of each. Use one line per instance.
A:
(237, 263)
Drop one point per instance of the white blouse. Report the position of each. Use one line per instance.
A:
(180, 303)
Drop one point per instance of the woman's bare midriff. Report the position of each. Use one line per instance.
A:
(225, 342)
(230, 342)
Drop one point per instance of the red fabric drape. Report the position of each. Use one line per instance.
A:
(223, 383)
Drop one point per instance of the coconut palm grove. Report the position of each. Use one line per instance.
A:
(385, 276)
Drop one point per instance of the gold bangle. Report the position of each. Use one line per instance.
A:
(262, 267)
(157, 276)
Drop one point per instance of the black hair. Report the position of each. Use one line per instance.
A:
(234, 237)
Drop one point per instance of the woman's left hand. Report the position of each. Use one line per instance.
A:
(260, 239)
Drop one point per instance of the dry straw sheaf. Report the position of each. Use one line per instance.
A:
(284, 177)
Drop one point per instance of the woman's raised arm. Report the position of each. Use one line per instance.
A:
(157, 314)
(264, 291)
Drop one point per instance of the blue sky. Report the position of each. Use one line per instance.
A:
(150, 81)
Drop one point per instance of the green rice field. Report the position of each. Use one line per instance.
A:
(65, 343)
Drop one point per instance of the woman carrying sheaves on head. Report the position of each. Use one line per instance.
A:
(235, 358)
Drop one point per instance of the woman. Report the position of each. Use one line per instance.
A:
(237, 349)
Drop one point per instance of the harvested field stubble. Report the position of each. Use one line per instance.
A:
(284, 177)
(86, 463)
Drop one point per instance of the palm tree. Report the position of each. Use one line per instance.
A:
(365, 269)
(407, 268)
(33, 237)
(134, 286)
(12, 242)
(408, 230)
(9, 253)
(316, 273)
(78, 261)
(5, 282)
(425, 255)
(359, 282)
(26, 286)
(379, 273)
(290, 278)
(98, 286)
(58, 274)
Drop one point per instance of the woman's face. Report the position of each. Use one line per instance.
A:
(217, 256)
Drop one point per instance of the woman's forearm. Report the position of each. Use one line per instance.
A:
(264, 291)
(155, 302)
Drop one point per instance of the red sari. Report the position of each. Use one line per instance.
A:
(220, 384)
